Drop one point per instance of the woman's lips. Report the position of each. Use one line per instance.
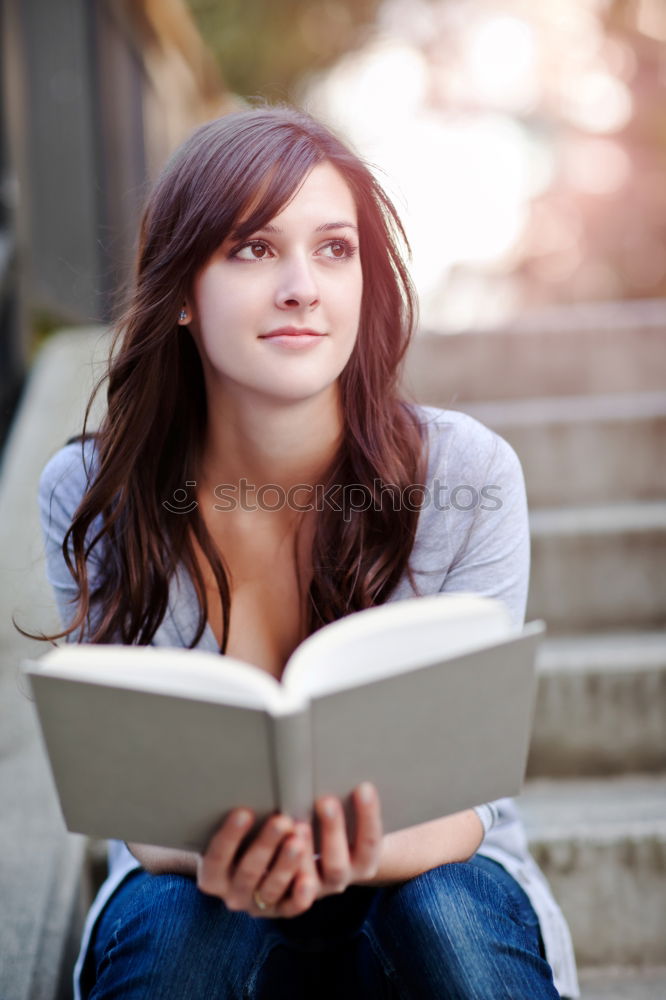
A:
(293, 337)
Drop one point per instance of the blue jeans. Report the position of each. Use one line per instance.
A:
(458, 932)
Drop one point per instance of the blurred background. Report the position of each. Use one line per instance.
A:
(525, 144)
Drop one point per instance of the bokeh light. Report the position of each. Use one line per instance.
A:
(522, 142)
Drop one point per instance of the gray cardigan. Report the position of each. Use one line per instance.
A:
(472, 535)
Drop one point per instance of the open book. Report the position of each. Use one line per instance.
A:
(430, 698)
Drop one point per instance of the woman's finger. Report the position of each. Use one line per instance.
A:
(256, 860)
(281, 873)
(215, 864)
(335, 864)
(369, 831)
(306, 885)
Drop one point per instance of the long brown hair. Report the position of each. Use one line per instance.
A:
(151, 437)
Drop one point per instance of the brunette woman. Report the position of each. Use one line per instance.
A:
(259, 358)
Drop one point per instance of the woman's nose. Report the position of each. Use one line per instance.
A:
(297, 288)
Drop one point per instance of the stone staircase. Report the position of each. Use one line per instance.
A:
(581, 395)
(45, 883)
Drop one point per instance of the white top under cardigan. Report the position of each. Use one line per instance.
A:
(472, 535)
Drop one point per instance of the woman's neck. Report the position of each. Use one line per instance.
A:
(283, 444)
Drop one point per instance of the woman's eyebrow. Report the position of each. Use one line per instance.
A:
(335, 225)
(324, 228)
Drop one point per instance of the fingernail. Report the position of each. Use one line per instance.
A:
(241, 818)
(366, 792)
(328, 809)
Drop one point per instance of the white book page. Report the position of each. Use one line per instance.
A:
(393, 638)
(187, 673)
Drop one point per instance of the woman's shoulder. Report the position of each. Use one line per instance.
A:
(68, 472)
(458, 443)
(456, 423)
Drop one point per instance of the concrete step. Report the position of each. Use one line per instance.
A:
(602, 846)
(623, 983)
(42, 876)
(53, 405)
(563, 351)
(601, 705)
(44, 882)
(601, 567)
(585, 449)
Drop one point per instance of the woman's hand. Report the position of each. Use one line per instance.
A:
(278, 874)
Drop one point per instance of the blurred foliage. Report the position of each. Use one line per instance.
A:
(264, 47)
(42, 324)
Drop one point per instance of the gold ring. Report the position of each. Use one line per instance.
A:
(261, 904)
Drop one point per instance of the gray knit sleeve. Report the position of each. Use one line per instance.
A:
(482, 526)
(488, 526)
(62, 484)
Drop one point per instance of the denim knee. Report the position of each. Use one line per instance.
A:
(163, 937)
(453, 897)
(456, 933)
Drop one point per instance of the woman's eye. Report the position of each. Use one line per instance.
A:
(255, 250)
(339, 249)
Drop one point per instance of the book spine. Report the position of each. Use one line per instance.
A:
(292, 754)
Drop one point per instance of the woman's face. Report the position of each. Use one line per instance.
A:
(252, 301)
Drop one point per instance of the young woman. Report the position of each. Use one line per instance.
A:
(259, 359)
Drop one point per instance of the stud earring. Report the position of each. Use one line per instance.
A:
(182, 315)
